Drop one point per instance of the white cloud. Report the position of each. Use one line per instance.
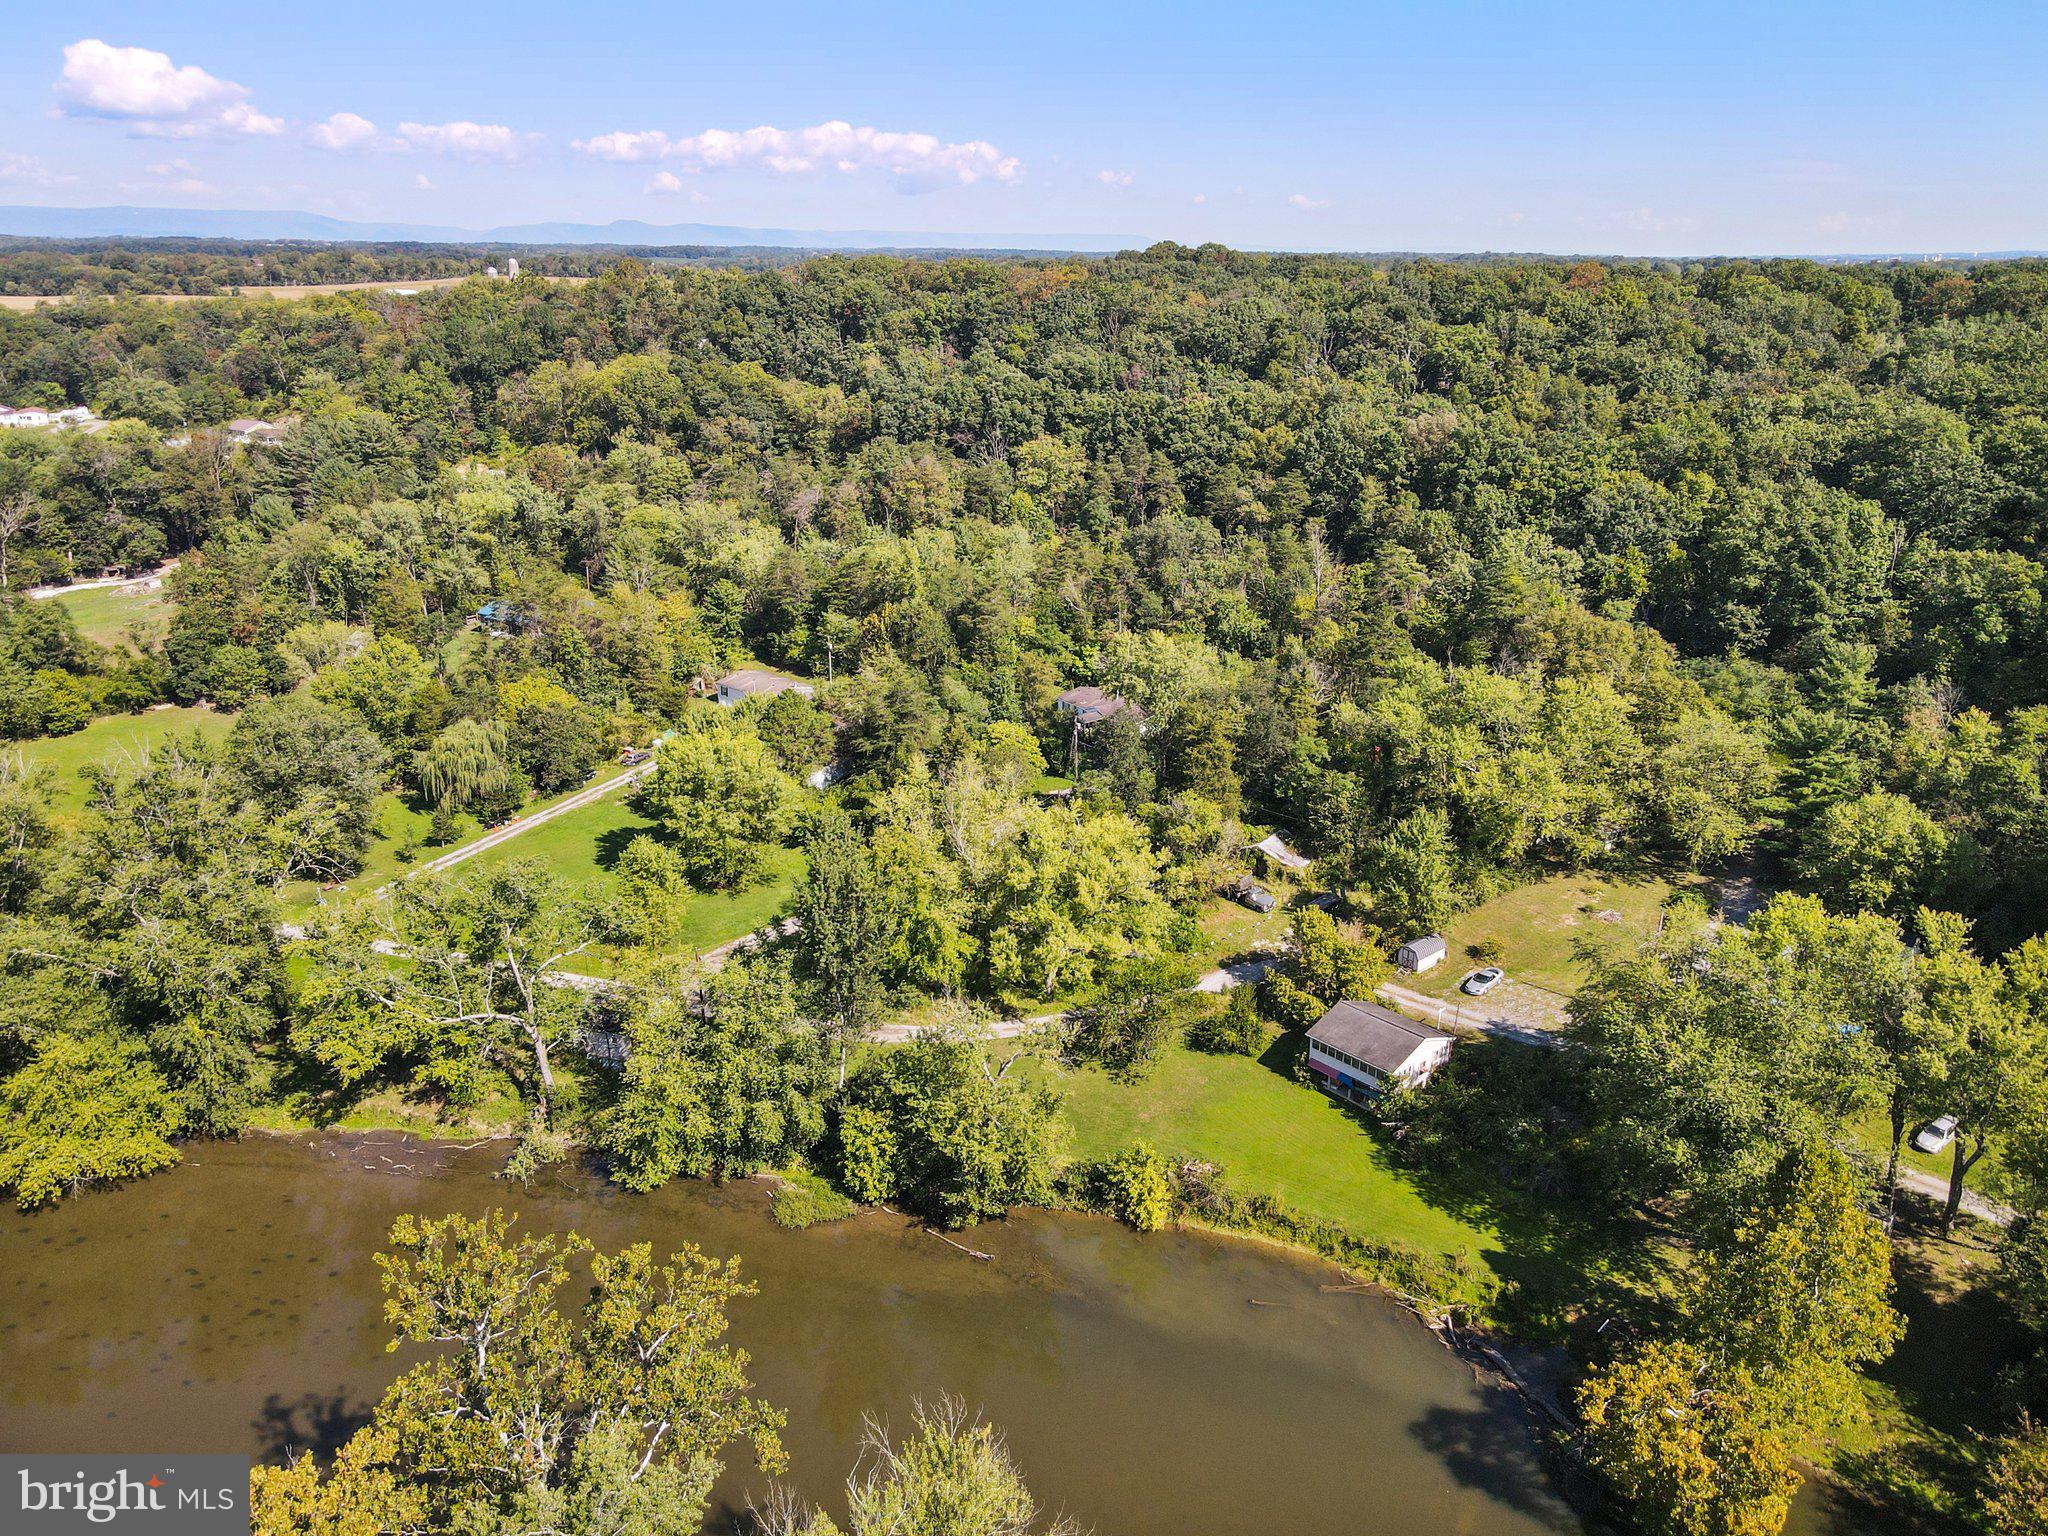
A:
(1114, 178)
(1199, 197)
(473, 141)
(628, 147)
(669, 184)
(918, 161)
(27, 170)
(420, 180)
(153, 96)
(1306, 203)
(350, 131)
(346, 130)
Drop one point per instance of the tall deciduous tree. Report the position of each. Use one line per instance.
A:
(726, 1083)
(941, 1128)
(454, 975)
(849, 921)
(1685, 1447)
(615, 1423)
(721, 796)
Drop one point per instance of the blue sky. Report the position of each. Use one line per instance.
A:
(1803, 126)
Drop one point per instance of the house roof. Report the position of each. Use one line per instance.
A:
(1377, 1036)
(1428, 944)
(751, 680)
(1280, 853)
(1091, 706)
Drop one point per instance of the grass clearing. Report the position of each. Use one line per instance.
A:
(112, 616)
(1538, 926)
(1270, 1135)
(109, 736)
(583, 844)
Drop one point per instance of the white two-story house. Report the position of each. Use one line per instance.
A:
(1361, 1050)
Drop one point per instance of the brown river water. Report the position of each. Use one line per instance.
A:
(1168, 1385)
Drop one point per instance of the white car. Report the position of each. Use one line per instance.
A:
(1935, 1134)
(1479, 983)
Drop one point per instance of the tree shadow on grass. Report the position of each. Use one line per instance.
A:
(611, 844)
(319, 1422)
(1566, 1261)
(1945, 1375)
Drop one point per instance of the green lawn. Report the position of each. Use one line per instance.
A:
(110, 736)
(399, 822)
(1270, 1135)
(1539, 924)
(106, 615)
(584, 843)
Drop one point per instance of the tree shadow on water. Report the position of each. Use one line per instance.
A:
(1493, 1449)
(319, 1422)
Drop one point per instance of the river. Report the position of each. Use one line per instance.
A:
(1168, 1385)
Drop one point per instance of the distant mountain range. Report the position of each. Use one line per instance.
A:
(259, 224)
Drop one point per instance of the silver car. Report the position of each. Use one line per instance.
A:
(1479, 983)
(1935, 1134)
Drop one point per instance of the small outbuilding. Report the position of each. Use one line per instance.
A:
(1278, 855)
(500, 617)
(1423, 954)
(1360, 1051)
(757, 683)
(253, 429)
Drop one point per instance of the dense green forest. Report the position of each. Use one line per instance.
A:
(1563, 561)
(211, 267)
(1455, 574)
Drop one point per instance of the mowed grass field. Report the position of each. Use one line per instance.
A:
(111, 736)
(1540, 925)
(583, 845)
(1270, 1135)
(116, 616)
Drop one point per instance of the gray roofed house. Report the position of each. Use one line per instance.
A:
(1361, 1050)
(757, 683)
(252, 429)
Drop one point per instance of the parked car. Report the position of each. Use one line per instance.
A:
(1935, 1134)
(1249, 893)
(1479, 983)
(633, 757)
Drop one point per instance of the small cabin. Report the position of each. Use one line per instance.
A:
(1091, 706)
(500, 617)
